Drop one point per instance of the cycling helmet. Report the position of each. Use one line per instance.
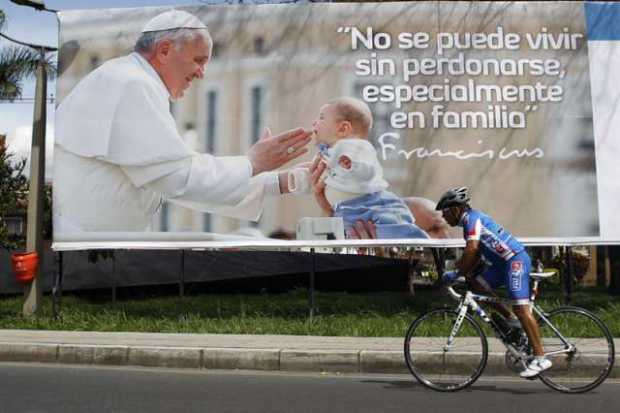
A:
(454, 197)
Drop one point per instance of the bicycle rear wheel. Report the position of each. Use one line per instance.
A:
(441, 367)
(589, 360)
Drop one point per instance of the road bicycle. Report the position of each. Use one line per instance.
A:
(447, 349)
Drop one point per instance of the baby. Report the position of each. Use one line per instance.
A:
(355, 189)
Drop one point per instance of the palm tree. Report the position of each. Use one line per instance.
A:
(16, 64)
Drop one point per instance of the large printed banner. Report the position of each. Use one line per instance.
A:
(166, 133)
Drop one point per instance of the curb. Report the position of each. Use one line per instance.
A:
(266, 359)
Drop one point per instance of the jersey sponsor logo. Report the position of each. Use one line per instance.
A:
(496, 245)
(516, 275)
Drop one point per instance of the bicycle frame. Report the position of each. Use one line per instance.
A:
(471, 301)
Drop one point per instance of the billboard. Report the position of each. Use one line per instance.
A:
(206, 143)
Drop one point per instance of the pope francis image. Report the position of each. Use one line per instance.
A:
(118, 154)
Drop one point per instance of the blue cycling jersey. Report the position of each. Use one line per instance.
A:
(497, 245)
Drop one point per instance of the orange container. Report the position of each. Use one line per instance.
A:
(25, 265)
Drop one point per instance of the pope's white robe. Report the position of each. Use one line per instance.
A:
(118, 156)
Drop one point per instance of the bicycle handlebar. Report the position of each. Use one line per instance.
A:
(452, 292)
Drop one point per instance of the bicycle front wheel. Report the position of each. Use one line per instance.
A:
(438, 364)
(580, 347)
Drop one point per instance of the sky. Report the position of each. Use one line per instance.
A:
(40, 27)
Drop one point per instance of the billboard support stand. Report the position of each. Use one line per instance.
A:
(568, 279)
(438, 255)
(312, 272)
(114, 279)
(182, 275)
(57, 288)
(606, 273)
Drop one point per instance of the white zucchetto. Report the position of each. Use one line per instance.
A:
(171, 20)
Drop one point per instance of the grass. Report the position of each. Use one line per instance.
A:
(386, 314)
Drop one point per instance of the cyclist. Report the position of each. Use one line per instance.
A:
(507, 263)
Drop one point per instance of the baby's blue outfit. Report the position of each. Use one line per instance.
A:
(390, 214)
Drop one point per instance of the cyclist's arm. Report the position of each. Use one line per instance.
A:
(470, 257)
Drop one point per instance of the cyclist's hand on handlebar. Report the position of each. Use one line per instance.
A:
(449, 277)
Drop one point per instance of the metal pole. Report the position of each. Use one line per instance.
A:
(439, 261)
(568, 280)
(182, 275)
(113, 279)
(607, 278)
(57, 289)
(312, 271)
(34, 232)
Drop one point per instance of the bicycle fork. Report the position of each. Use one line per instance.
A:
(466, 303)
(462, 310)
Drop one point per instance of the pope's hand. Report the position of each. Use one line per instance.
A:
(271, 152)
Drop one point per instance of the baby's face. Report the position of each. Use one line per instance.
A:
(325, 127)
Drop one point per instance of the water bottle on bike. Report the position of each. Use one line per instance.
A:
(512, 329)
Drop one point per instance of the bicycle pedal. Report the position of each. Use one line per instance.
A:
(532, 378)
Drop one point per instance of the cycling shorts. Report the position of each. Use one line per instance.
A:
(514, 274)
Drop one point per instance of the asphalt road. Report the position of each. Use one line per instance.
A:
(57, 388)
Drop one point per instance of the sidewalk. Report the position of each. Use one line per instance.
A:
(223, 351)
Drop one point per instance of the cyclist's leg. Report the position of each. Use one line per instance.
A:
(518, 286)
(486, 283)
(530, 326)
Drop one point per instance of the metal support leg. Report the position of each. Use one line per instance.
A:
(311, 292)
(568, 280)
(438, 256)
(410, 273)
(57, 289)
(607, 277)
(113, 279)
(182, 275)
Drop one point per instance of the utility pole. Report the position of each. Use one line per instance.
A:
(34, 230)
